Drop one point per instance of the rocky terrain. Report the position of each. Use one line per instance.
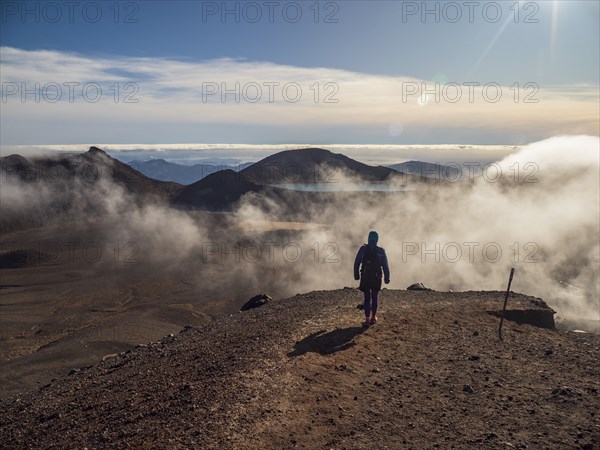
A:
(301, 373)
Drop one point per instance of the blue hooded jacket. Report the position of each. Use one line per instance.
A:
(382, 257)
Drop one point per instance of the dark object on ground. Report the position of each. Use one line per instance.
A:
(418, 287)
(256, 301)
(543, 318)
(512, 272)
(360, 306)
(566, 391)
(18, 259)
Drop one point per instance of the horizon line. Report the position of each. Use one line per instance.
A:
(192, 146)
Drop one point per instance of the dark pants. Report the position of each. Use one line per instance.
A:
(371, 302)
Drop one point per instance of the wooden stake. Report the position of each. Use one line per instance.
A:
(512, 272)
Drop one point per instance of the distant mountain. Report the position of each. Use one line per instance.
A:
(162, 170)
(313, 165)
(86, 169)
(428, 170)
(217, 191)
(42, 189)
(67, 186)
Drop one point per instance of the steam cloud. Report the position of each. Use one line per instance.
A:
(539, 207)
(448, 237)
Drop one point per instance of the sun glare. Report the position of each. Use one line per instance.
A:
(554, 26)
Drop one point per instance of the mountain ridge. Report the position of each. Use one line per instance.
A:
(314, 165)
(93, 171)
(163, 170)
(428, 170)
(64, 187)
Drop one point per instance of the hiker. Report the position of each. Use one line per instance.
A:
(371, 259)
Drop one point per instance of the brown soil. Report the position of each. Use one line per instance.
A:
(59, 311)
(302, 373)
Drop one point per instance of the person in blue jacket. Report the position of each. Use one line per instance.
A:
(373, 264)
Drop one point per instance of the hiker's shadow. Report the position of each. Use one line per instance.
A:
(326, 343)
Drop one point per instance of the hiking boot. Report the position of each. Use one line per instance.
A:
(366, 323)
(373, 320)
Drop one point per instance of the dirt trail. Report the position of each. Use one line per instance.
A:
(302, 373)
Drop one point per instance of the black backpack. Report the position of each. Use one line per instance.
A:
(371, 264)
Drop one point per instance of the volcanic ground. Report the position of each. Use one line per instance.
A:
(301, 373)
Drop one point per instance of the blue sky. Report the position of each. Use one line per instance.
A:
(551, 47)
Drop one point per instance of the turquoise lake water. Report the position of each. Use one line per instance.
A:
(344, 187)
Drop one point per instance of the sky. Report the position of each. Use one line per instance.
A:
(344, 72)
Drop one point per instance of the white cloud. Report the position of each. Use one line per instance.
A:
(173, 96)
(191, 153)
